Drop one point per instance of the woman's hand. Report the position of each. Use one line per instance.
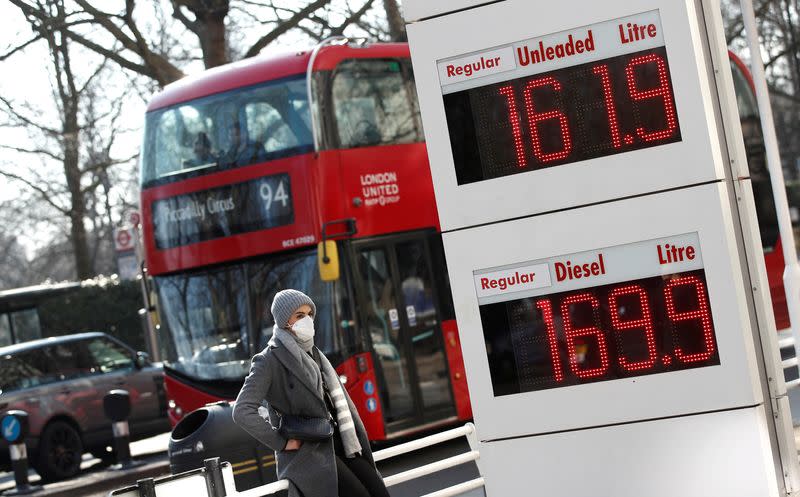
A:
(292, 444)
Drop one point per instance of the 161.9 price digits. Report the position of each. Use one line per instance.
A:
(535, 115)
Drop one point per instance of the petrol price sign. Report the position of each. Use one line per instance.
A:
(563, 110)
(583, 111)
(602, 247)
(640, 321)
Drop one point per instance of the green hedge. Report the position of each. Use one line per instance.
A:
(108, 306)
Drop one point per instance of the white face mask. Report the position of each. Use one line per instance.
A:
(304, 328)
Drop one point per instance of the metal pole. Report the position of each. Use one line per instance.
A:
(122, 443)
(215, 485)
(791, 273)
(147, 487)
(151, 337)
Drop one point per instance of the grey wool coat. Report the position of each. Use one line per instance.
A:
(277, 377)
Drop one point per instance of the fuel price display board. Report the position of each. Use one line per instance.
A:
(565, 110)
(645, 322)
(582, 110)
(585, 111)
(602, 247)
(630, 307)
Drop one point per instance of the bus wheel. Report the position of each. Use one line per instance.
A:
(60, 451)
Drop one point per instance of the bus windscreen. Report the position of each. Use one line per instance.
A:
(232, 129)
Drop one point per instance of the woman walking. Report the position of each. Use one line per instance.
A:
(301, 389)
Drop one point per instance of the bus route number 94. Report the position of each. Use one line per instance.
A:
(269, 196)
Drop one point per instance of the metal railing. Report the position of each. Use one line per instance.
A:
(216, 479)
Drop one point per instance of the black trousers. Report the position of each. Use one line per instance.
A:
(357, 477)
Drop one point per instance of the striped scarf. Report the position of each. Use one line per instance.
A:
(344, 418)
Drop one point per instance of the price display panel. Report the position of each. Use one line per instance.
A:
(606, 314)
(582, 112)
(654, 323)
(600, 101)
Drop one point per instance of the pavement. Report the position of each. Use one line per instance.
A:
(97, 478)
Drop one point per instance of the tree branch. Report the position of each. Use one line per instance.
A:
(285, 26)
(19, 48)
(354, 17)
(44, 193)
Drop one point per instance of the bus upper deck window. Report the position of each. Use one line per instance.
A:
(373, 104)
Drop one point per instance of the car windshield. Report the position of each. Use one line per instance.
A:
(230, 129)
(209, 316)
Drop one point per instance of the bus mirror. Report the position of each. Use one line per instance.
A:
(328, 259)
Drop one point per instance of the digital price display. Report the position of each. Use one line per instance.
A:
(591, 106)
(547, 326)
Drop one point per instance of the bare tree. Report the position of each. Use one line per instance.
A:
(779, 33)
(73, 143)
(124, 35)
(397, 28)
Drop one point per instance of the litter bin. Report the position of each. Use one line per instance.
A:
(210, 432)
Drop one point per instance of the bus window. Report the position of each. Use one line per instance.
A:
(230, 129)
(5, 331)
(270, 127)
(299, 271)
(206, 315)
(373, 104)
(26, 325)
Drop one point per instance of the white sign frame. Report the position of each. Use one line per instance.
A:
(694, 160)
(704, 209)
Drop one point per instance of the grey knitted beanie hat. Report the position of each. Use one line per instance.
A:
(288, 301)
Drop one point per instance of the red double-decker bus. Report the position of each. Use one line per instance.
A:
(246, 171)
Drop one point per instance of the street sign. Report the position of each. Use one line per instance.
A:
(134, 218)
(601, 245)
(123, 239)
(11, 429)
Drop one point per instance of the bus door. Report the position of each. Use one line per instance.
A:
(400, 314)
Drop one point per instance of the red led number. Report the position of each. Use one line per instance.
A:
(608, 96)
(644, 323)
(662, 91)
(534, 118)
(516, 129)
(546, 308)
(590, 331)
(701, 315)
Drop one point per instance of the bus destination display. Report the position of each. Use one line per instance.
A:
(253, 205)
(566, 330)
(589, 105)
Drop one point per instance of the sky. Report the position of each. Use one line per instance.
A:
(26, 81)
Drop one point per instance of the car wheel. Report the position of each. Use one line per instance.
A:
(60, 451)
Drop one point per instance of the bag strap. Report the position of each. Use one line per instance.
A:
(315, 356)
